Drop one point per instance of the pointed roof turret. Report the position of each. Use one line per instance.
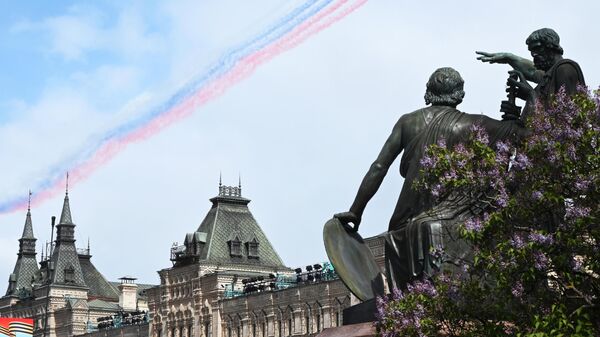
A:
(28, 229)
(65, 215)
(67, 269)
(26, 266)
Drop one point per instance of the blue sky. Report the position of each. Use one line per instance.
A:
(302, 130)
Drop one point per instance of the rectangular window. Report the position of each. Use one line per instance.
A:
(236, 248)
(69, 275)
(253, 250)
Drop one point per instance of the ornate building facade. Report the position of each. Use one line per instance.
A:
(228, 281)
(66, 294)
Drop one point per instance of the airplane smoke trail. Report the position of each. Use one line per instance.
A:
(305, 21)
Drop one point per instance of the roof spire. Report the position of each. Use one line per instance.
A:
(239, 180)
(67, 184)
(65, 216)
(220, 179)
(28, 228)
(88, 245)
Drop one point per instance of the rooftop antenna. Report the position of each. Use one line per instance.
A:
(67, 184)
(220, 179)
(29, 202)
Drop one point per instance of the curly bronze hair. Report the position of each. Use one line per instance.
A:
(445, 87)
(547, 37)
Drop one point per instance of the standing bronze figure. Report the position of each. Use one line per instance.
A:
(549, 70)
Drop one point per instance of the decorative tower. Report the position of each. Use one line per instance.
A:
(65, 261)
(20, 280)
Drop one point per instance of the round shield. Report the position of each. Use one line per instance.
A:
(353, 260)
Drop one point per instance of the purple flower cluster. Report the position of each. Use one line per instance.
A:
(582, 184)
(436, 190)
(480, 134)
(542, 239)
(424, 287)
(428, 162)
(576, 212)
(474, 224)
(577, 263)
(540, 260)
(403, 312)
(517, 241)
(517, 289)
(521, 162)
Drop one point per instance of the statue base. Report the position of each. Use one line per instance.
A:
(360, 313)
(354, 330)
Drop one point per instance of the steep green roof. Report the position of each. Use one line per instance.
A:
(230, 219)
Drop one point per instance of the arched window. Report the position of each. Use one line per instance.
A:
(318, 322)
(307, 324)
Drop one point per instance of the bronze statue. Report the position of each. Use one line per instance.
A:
(418, 223)
(548, 69)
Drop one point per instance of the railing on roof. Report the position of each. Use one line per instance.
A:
(119, 319)
(324, 272)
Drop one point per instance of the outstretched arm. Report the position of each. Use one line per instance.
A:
(518, 63)
(372, 180)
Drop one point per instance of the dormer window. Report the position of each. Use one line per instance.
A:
(235, 247)
(69, 274)
(252, 247)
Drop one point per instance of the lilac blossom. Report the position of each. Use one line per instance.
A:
(517, 241)
(582, 184)
(436, 190)
(517, 289)
(575, 212)
(542, 239)
(577, 263)
(473, 225)
(480, 133)
(428, 162)
(521, 162)
(540, 260)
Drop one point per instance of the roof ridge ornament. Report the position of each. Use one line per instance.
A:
(230, 191)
